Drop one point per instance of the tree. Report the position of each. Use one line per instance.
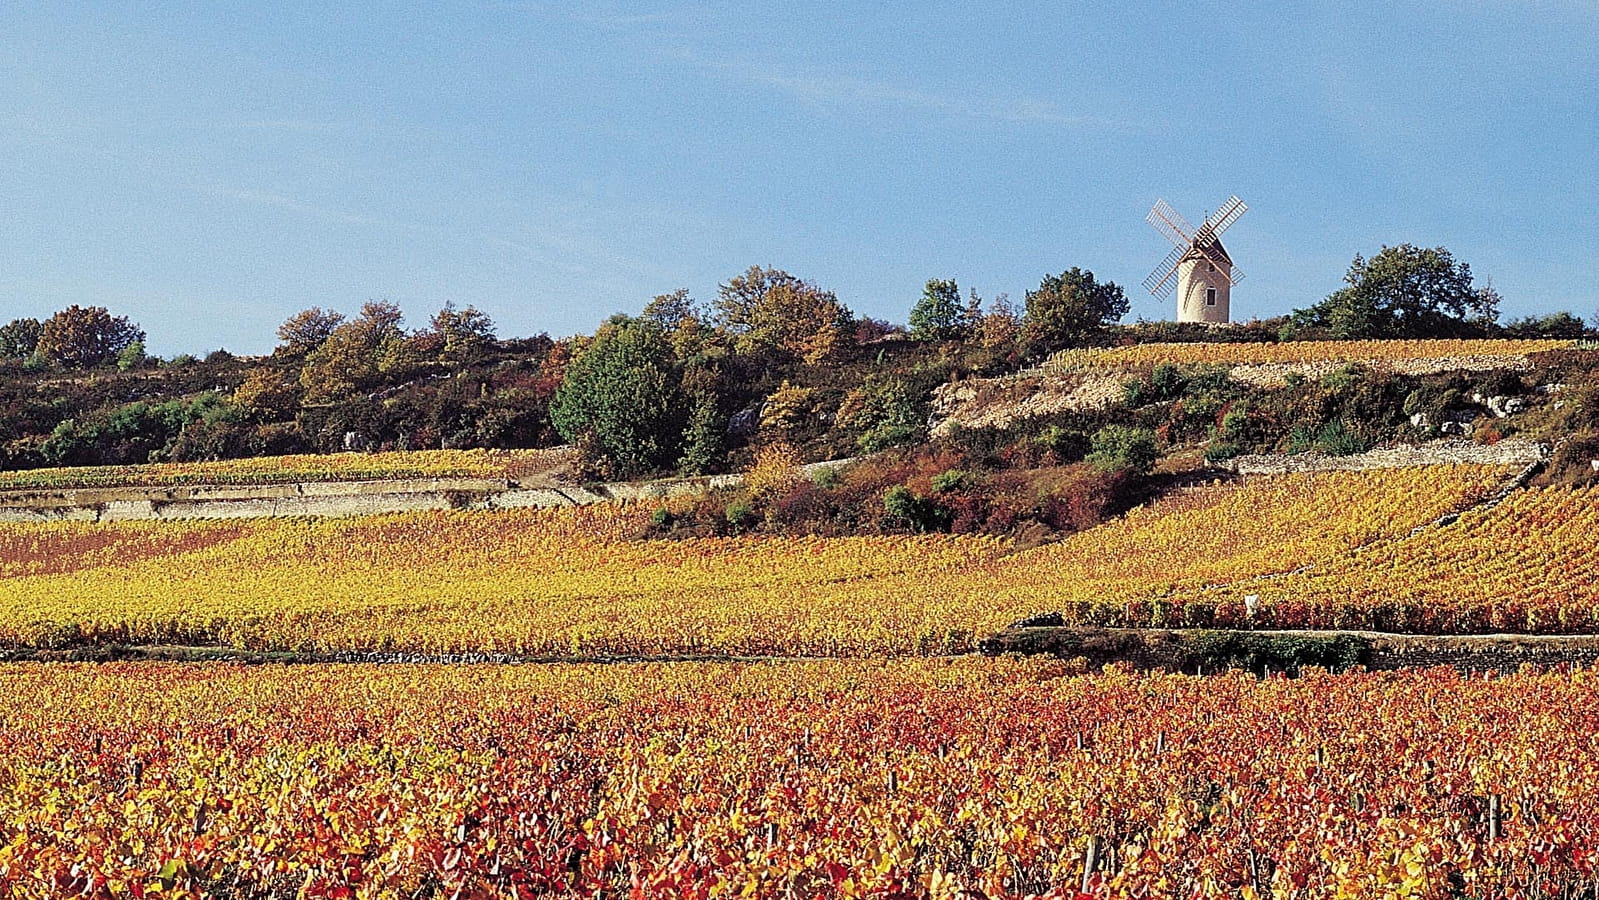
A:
(621, 400)
(268, 394)
(679, 316)
(1404, 292)
(1001, 325)
(19, 338)
(306, 330)
(1556, 325)
(1069, 308)
(939, 315)
(705, 440)
(81, 336)
(668, 311)
(132, 357)
(357, 354)
(769, 309)
(465, 333)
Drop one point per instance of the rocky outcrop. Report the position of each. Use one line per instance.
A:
(1001, 402)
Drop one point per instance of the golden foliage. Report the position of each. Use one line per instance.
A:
(573, 582)
(295, 468)
(1248, 353)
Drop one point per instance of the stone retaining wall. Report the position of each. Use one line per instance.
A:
(1510, 451)
(335, 498)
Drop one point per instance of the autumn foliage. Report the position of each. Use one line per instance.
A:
(578, 582)
(921, 779)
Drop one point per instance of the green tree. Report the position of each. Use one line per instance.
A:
(132, 357)
(1069, 308)
(80, 336)
(1555, 325)
(705, 440)
(1404, 292)
(940, 315)
(621, 400)
(19, 338)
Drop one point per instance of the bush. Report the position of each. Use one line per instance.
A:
(1221, 451)
(1119, 448)
(738, 513)
(1064, 444)
(1336, 439)
(920, 514)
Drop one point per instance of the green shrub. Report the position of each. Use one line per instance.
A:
(1336, 439)
(739, 513)
(1220, 451)
(889, 435)
(1119, 448)
(1167, 380)
(920, 514)
(826, 477)
(950, 481)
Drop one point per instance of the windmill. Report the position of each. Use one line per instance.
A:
(1198, 266)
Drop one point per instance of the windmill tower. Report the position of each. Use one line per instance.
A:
(1198, 266)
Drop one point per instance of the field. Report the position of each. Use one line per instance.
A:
(883, 767)
(815, 779)
(573, 582)
(512, 464)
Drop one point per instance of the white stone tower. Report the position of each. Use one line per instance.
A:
(1198, 267)
(1205, 285)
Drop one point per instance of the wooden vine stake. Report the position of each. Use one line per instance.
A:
(1493, 817)
(1090, 860)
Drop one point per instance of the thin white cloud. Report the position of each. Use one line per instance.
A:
(287, 203)
(293, 126)
(834, 92)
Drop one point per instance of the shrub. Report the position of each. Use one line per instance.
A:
(1337, 439)
(739, 512)
(776, 468)
(920, 514)
(1119, 448)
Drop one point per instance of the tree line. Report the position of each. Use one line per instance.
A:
(677, 387)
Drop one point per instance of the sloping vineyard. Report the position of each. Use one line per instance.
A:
(572, 581)
(1396, 355)
(292, 469)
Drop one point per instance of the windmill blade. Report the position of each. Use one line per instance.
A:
(1223, 268)
(1221, 218)
(1161, 281)
(1169, 223)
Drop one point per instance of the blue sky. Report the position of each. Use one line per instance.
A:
(210, 168)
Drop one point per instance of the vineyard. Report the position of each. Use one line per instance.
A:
(840, 779)
(933, 776)
(574, 582)
(504, 464)
(1398, 355)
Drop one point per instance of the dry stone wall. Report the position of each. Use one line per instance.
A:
(336, 498)
(1510, 451)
